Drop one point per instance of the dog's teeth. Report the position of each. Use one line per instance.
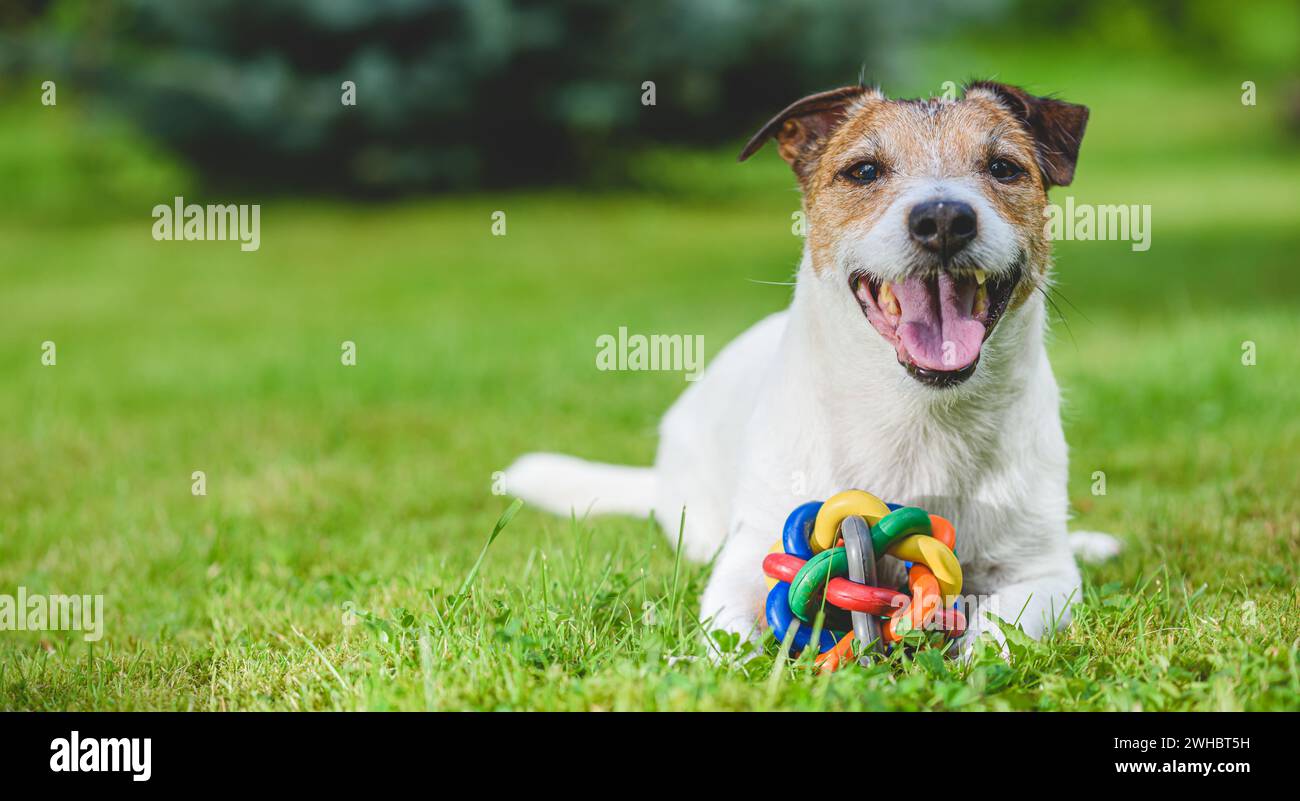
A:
(887, 300)
(981, 277)
(981, 299)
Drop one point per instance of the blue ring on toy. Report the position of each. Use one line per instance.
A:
(794, 537)
(779, 616)
(893, 506)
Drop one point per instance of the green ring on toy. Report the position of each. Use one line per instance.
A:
(810, 583)
(902, 522)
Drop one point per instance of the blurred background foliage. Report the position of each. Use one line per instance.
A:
(454, 94)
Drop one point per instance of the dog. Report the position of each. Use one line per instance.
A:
(911, 362)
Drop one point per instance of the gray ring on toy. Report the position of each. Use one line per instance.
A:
(862, 569)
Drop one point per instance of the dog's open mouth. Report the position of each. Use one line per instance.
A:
(937, 324)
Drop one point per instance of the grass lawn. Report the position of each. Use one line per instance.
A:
(331, 564)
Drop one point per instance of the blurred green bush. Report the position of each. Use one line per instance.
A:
(457, 93)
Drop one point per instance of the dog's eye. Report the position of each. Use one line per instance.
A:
(1005, 170)
(864, 172)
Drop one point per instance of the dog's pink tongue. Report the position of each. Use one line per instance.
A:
(936, 327)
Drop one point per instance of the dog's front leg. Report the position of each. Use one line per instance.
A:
(1038, 605)
(733, 599)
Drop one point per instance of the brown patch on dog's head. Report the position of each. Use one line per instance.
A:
(868, 166)
(1056, 126)
(802, 128)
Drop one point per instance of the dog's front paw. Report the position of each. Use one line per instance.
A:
(978, 625)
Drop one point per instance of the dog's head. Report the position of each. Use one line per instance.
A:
(930, 212)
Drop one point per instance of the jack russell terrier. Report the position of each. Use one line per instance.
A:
(911, 362)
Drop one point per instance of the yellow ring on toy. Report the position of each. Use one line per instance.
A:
(850, 502)
(778, 548)
(933, 554)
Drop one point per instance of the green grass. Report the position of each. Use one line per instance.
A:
(332, 563)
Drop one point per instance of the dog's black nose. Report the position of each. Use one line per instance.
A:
(942, 226)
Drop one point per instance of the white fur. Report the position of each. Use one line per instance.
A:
(886, 250)
(564, 484)
(812, 401)
(1093, 547)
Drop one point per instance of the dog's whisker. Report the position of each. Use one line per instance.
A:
(1062, 296)
(1060, 315)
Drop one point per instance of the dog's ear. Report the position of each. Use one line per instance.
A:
(1057, 127)
(804, 125)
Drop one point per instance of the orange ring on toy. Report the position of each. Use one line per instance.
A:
(942, 530)
(926, 587)
(831, 660)
(926, 600)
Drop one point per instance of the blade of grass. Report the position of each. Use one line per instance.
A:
(501, 523)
